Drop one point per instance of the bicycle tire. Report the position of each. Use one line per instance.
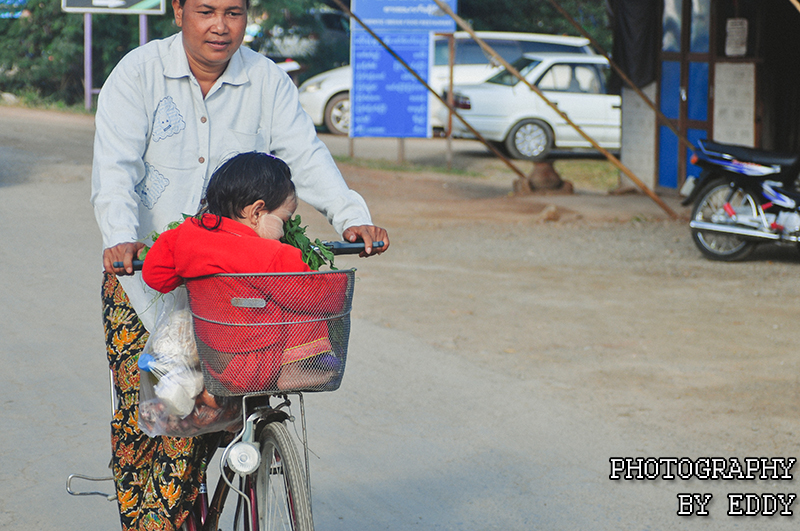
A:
(281, 494)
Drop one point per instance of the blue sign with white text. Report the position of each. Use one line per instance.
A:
(394, 15)
(386, 99)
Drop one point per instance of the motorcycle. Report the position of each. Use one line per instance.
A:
(743, 197)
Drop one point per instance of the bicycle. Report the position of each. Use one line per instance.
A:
(274, 483)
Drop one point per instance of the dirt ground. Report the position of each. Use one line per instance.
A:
(611, 303)
(610, 309)
(620, 313)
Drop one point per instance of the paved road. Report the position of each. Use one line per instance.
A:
(417, 438)
(54, 386)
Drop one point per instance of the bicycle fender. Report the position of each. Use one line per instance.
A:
(273, 415)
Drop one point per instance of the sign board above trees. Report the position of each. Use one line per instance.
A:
(11, 8)
(121, 7)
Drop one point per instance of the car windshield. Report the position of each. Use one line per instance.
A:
(523, 66)
(469, 52)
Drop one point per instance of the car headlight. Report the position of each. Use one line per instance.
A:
(311, 87)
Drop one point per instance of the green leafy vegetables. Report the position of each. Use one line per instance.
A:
(315, 255)
(153, 236)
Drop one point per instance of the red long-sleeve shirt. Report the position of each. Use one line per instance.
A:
(192, 251)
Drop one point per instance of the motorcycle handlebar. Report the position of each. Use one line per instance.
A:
(336, 248)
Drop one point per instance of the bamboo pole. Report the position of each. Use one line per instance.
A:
(413, 72)
(659, 115)
(611, 158)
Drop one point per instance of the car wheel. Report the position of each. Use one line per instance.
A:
(530, 140)
(337, 114)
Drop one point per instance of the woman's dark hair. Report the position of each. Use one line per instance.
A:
(244, 179)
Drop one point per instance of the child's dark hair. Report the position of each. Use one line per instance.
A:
(244, 179)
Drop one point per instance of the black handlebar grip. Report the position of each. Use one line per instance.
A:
(349, 248)
(137, 265)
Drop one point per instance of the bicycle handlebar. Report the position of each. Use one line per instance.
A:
(137, 265)
(336, 248)
(348, 248)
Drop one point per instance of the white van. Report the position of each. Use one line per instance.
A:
(326, 96)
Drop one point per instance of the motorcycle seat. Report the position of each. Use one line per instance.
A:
(748, 154)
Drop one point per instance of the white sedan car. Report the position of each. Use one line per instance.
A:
(506, 111)
(326, 96)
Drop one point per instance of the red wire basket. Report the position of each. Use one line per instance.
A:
(272, 333)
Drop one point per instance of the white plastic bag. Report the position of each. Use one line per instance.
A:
(172, 398)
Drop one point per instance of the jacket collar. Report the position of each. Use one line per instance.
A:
(229, 225)
(176, 64)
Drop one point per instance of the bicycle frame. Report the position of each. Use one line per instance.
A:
(255, 420)
(263, 423)
(109, 497)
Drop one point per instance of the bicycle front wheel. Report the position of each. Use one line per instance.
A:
(281, 494)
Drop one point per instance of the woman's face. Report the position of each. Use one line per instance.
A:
(212, 32)
(270, 224)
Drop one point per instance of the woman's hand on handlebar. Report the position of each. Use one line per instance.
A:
(367, 234)
(123, 252)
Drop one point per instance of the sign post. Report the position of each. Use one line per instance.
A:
(87, 61)
(118, 7)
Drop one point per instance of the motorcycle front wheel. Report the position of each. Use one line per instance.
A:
(710, 208)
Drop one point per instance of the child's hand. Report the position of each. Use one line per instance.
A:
(367, 234)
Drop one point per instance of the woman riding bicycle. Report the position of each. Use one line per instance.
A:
(167, 115)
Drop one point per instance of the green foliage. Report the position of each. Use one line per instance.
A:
(325, 58)
(524, 16)
(316, 255)
(538, 17)
(293, 17)
(153, 236)
(282, 13)
(42, 51)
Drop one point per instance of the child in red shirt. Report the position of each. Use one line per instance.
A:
(248, 200)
